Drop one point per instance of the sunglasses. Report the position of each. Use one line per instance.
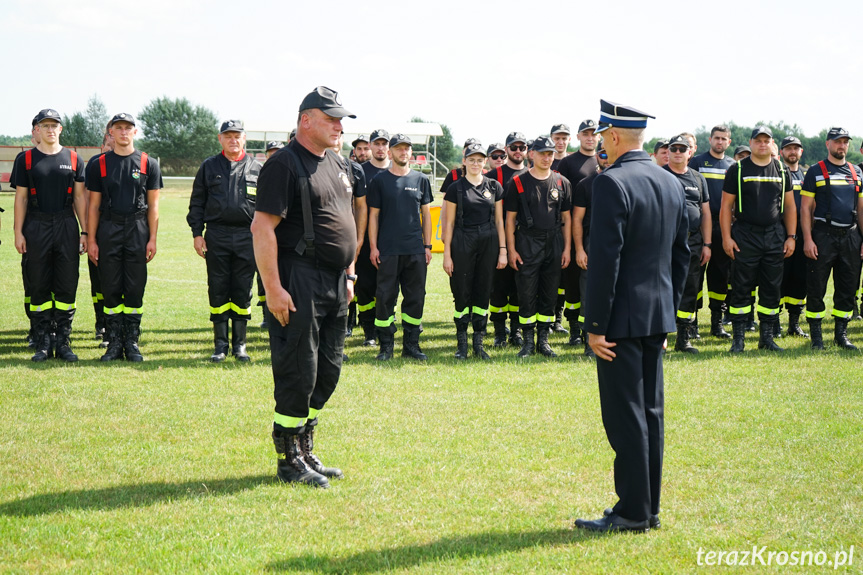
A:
(498, 156)
(515, 148)
(678, 149)
(603, 155)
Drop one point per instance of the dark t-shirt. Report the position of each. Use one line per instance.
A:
(399, 199)
(582, 197)
(477, 201)
(124, 188)
(695, 186)
(713, 171)
(506, 174)
(545, 200)
(449, 179)
(577, 166)
(52, 175)
(330, 193)
(359, 180)
(838, 196)
(761, 202)
(371, 171)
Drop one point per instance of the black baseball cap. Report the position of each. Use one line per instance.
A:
(836, 133)
(470, 142)
(274, 145)
(761, 130)
(379, 134)
(662, 144)
(232, 126)
(47, 114)
(327, 101)
(399, 139)
(789, 141)
(496, 147)
(560, 129)
(587, 125)
(474, 149)
(679, 140)
(514, 137)
(122, 117)
(741, 149)
(360, 138)
(542, 144)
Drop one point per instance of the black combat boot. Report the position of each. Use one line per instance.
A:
(478, 350)
(683, 334)
(794, 324)
(557, 326)
(131, 334)
(716, 329)
(575, 333)
(307, 443)
(815, 332)
(738, 342)
(767, 328)
(99, 334)
(515, 335)
(751, 324)
(777, 326)
(542, 345)
(114, 331)
(291, 466)
(387, 342)
(369, 334)
(411, 344)
(42, 344)
(527, 347)
(500, 333)
(64, 345)
(694, 335)
(220, 340)
(461, 339)
(238, 340)
(840, 334)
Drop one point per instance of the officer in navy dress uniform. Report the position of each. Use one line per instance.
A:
(639, 259)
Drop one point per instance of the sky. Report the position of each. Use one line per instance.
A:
(483, 68)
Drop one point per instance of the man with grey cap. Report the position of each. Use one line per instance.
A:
(794, 274)
(741, 152)
(660, 153)
(831, 218)
(496, 157)
(638, 263)
(223, 202)
(362, 149)
(561, 136)
(305, 243)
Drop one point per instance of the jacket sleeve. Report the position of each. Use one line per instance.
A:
(198, 202)
(609, 219)
(680, 251)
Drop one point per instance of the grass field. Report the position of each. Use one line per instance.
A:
(168, 466)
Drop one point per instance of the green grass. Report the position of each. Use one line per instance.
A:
(470, 467)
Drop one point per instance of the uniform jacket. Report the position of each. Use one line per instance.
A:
(638, 256)
(223, 193)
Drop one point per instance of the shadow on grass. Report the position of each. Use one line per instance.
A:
(446, 549)
(123, 496)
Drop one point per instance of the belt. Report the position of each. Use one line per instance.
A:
(123, 218)
(754, 228)
(50, 216)
(537, 233)
(835, 230)
(478, 227)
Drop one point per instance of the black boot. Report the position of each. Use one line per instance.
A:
(527, 347)
(387, 342)
(557, 326)
(411, 344)
(515, 335)
(693, 328)
(478, 350)
(751, 324)
(131, 334)
(766, 330)
(307, 443)
(575, 333)
(220, 340)
(461, 338)
(42, 344)
(291, 465)
(815, 332)
(64, 344)
(542, 341)
(369, 334)
(794, 324)
(500, 333)
(840, 334)
(738, 342)
(238, 340)
(683, 335)
(716, 329)
(777, 327)
(114, 330)
(100, 328)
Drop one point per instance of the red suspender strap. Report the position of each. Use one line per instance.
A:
(454, 175)
(500, 175)
(28, 159)
(103, 169)
(144, 163)
(854, 177)
(824, 173)
(518, 185)
(74, 160)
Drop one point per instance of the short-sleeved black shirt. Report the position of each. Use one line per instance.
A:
(545, 199)
(52, 176)
(399, 199)
(838, 196)
(695, 186)
(713, 171)
(371, 171)
(577, 166)
(124, 188)
(506, 174)
(582, 197)
(359, 179)
(477, 201)
(330, 194)
(761, 202)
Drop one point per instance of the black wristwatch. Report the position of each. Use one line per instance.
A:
(427, 246)
(351, 277)
(708, 246)
(791, 237)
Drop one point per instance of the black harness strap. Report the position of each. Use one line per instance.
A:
(307, 246)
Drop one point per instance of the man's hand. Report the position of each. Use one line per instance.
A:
(428, 256)
(811, 250)
(564, 259)
(350, 291)
(82, 245)
(375, 257)
(20, 244)
(447, 264)
(581, 258)
(790, 245)
(514, 260)
(93, 252)
(730, 248)
(201, 246)
(151, 250)
(601, 347)
(501, 260)
(705, 255)
(281, 304)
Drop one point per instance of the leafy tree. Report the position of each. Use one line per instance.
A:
(15, 140)
(179, 133)
(87, 128)
(447, 152)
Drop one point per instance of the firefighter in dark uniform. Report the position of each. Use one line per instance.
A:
(504, 294)
(49, 193)
(638, 263)
(794, 274)
(698, 214)
(101, 333)
(223, 202)
(474, 244)
(367, 274)
(831, 218)
(305, 243)
(400, 248)
(123, 221)
(538, 204)
(759, 195)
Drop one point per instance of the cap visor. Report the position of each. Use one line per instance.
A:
(338, 113)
